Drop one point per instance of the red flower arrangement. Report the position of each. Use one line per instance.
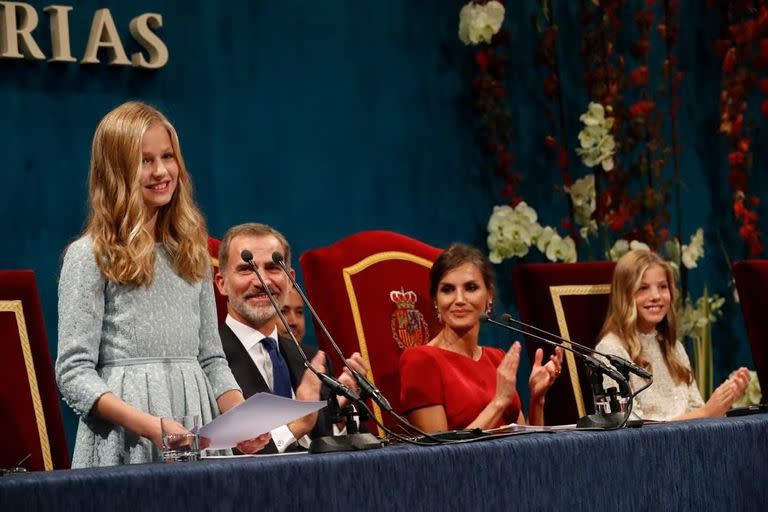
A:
(744, 50)
(489, 101)
(638, 125)
(557, 141)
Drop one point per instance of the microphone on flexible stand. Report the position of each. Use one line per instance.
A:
(326, 443)
(597, 368)
(588, 359)
(605, 399)
(621, 364)
(368, 389)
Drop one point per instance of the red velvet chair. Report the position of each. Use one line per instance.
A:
(31, 421)
(571, 300)
(221, 301)
(372, 292)
(752, 282)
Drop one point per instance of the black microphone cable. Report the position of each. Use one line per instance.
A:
(620, 363)
(616, 361)
(594, 364)
(335, 385)
(376, 395)
(366, 386)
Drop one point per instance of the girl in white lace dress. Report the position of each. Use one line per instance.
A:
(640, 326)
(138, 337)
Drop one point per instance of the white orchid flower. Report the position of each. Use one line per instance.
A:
(478, 23)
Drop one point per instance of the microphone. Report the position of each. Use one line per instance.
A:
(367, 388)
(600, 420)
(326, 443)
(335, 385)
(618, 362)
(591, 362)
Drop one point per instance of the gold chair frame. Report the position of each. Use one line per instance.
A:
(350, 271)
(557, 293)
(16, 307)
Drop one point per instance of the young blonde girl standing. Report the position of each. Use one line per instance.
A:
(138, 336)
(640, 326)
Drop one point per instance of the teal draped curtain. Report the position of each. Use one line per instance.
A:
(328, 118)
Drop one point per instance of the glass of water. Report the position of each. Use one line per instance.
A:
(180, 440)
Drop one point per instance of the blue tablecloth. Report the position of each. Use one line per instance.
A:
(694, 465)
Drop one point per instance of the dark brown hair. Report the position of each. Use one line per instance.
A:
(455, 256)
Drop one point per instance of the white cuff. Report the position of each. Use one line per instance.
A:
(283, 438)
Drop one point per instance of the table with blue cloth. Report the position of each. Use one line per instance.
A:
(719, 464)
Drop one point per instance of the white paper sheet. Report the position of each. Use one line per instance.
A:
(261, 413)
(514, 428)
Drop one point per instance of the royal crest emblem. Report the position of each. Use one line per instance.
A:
(409, 328)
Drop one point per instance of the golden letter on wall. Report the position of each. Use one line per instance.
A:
(141, 30)
(104, 35)
(59, 15)
(18, 22)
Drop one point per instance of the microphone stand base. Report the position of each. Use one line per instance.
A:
(347, 443)
(610, 420)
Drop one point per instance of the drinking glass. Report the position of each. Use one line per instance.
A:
(180, 440)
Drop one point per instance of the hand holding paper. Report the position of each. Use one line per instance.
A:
(259, 414)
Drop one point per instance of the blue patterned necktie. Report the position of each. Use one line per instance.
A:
(280, 375)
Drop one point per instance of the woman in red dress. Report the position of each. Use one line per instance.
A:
(454, 383)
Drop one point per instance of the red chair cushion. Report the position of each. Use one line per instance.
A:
(221, 300)
(751, 282)
(31, 422)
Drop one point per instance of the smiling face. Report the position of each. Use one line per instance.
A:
(247, 301)
(159, 171)
(652, 298)
(462, 297)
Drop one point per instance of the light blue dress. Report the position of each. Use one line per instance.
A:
(156, 347)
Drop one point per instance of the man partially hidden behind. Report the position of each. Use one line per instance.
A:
(261, 359)
(293, 310)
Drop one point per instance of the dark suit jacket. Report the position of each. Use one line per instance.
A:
(251, 381)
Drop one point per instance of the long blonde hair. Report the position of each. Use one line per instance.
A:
(124, 248)
(621, 319)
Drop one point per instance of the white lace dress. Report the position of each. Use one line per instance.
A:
(664, 399)
(156, 347)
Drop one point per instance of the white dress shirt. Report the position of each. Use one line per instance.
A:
(251, 341)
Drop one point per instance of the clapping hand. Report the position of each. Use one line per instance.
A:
(741, 378)
(308, 390)
(727, 393)
(543, 376)
(506, 375)
(357, 363)
(309, 387)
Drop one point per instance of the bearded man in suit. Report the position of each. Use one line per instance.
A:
(261, 359)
